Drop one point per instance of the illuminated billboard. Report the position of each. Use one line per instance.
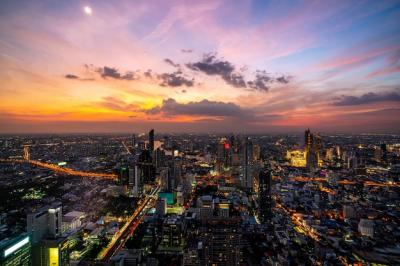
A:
(53, 257)
(16, 246)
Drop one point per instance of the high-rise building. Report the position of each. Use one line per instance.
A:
(135, 184)
(45, 223)
(52, 252)
(172, 232)
(247, 164)
(256, 152)
(384, 152)
(312, 149)
(151, 141)
(123, 176)
(161, 207)
(16, 251)
(264, 195)
(146, 166)
(220, 243)
(159, 158)
(45, 229)
(223, 155)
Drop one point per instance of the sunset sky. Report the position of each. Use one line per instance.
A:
(199, 66)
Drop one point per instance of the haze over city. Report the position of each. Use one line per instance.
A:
(199, 66)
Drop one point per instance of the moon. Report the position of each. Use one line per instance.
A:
(88, 10)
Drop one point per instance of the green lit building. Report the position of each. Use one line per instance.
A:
(16, 251)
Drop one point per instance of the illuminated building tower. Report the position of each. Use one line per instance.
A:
(329, 154)
(135, 182)
(45, 223)
(311, 160)
(177, 171)
(161, 207)
(163, 174)
(53, 252)
(146, 166)
(172, 232)
(16, 251)
(247, 164)
(123, 177)
(223, 155)
(384, 152)
(312, 149)
(264, 195)
(159, 158)
(307, 140)
(256, 152)
(44, 227)
(151, 141)
(220, 243)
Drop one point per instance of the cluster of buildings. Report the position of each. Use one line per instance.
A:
(210, 200)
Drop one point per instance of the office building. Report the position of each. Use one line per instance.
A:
(45, 223)
(161, 207)
(312, 150)
(151, 141)
(220, 243)
(135, 184)
(172, 232)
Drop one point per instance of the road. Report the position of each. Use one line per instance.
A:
(120, 238)
(126, 147)
(62, 170)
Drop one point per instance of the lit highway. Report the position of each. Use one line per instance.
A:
(119, 239)
(62, 170)
(126, 147)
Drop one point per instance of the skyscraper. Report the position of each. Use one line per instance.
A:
(247, 164)
(135, 184)
(312, 147)
(151, 141)
(146, 166)
(45, 223)
(264, 195)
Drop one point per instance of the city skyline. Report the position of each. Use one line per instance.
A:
(204, 66)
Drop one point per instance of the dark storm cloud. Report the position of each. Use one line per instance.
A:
(175, 79)
(71, 76)
(170, 62)
(370, 97)
(110, 72)
(170, 107)
(211, 65)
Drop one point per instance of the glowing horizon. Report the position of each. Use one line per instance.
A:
(208, 66)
